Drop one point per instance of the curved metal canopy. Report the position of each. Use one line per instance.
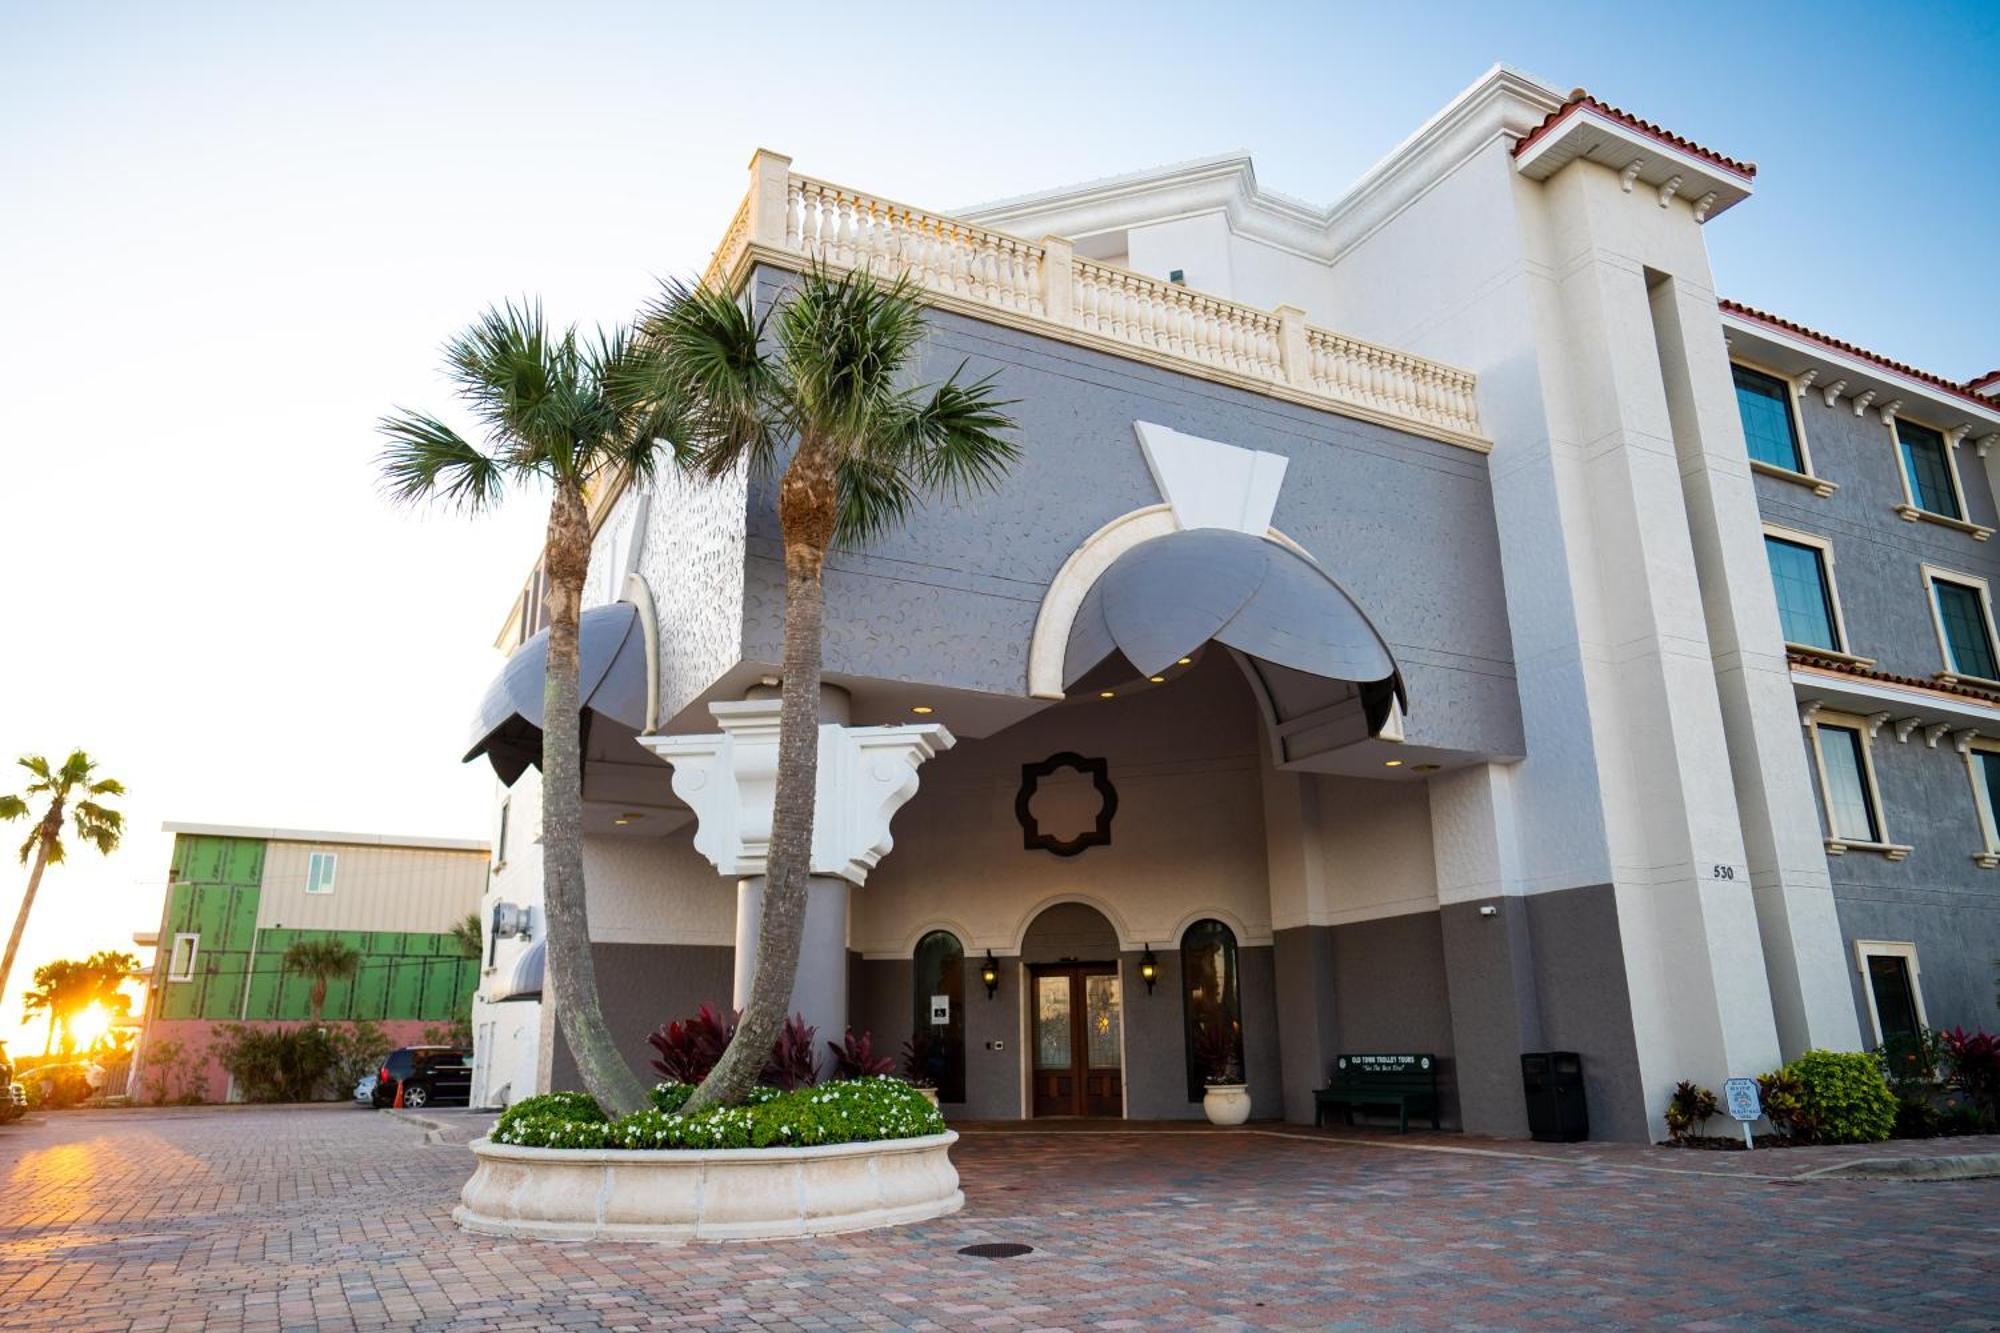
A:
(525, 981)
(611, 680)
(1166, 597)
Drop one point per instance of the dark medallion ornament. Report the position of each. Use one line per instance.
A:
(1099, 774)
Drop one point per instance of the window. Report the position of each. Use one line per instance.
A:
(1770, 428)
(1213, 1004)
(180, 962)
(1982, 760)
(1805, 596)
(939, 974)
(1964, 624)
(319, 872)
(1890, 982)
(1927, 469)
(1850, 805)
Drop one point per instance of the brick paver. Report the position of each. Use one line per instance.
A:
(339, 1218)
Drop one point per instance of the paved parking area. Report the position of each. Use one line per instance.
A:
(339, 1218)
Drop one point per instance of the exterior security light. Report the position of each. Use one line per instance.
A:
(1392, 763)
(1157, 680)
(922, 710)
(1149, 969)
(1106, 694)
(989, 972)
(1186, 661)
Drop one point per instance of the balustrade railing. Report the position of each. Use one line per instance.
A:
(1045, 281)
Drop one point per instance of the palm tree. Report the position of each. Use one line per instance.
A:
(549, 414)
(322, 959)
(62, 987)
(71, 787)
(830, 383)
(469, 935)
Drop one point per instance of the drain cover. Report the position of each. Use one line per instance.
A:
(997, 1250)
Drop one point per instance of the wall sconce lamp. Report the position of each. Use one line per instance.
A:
(989, 972)
(1149, 969)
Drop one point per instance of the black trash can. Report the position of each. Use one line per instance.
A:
(1553, 1081)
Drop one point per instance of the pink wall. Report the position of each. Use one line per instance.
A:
(196, 1035)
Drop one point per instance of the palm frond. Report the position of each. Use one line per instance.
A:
(876, 494)
(108, 787)
(12, 807)
(509, 371)
(700, 358)
(956, 438)
(426, 459)
(846, 342)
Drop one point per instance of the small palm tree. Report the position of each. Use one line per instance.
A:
(68, 787)
(321, 959)
(62, 987)
(546, 404)
(830, 383)
(469, 935)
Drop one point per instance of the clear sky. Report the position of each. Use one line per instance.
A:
(232, 236)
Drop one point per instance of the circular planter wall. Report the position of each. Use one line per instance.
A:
(706, 1194)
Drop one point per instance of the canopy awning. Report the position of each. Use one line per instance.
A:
(611, 681)
(525, 981)
(1309, 644)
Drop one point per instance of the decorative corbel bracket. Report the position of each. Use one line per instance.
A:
(1833, 391)
(1986, 443)
(1808, 710)
(1934, 731)
(1904, 726)
(1669, 190)
(1875, 721)
(1805, 381)
(1961, 741)
(1862, 400)
(1631, 173)
(1957, 433)
(1889, 410)
(1703, 205)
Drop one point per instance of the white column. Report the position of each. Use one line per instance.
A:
(729, 778)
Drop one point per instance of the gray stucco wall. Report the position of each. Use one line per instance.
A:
(1937, 898)
(1406, 524)
(1584, 1004)
(642, 986)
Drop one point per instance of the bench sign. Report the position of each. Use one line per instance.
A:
(1740, 1096)
(940, 1011)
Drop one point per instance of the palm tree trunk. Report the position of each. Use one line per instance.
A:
(318, 998)
(806, 508)
(51, 825)
(572, 972)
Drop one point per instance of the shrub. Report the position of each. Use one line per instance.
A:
(793, 1062)
(855, 1111)
(171, 1072)
(1831, 1097)
(358, 1049)
(1972, 1066)
(1689, 1110)
(855, 1058)
(275, 1064)
(1911, 1063)
(689, 1049)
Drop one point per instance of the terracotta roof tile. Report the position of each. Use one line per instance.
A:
(1991, 377)
(1846, 668)
(1840, 345)
(1580, 98)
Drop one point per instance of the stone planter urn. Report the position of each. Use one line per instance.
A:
(706, 1194)
(1226, 1103)
(930, 1094)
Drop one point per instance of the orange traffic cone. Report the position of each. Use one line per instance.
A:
(398, 1103)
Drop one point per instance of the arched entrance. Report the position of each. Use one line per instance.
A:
(1076, 1018)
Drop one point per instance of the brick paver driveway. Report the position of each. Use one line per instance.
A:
(336, 1217)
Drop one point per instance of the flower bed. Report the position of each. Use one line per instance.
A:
(838, 1157)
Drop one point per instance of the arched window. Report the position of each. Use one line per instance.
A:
(1213, 1004)
(939, 972)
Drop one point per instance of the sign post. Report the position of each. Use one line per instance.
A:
(1740, 1096)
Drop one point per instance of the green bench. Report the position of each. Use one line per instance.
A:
(1401, 1081)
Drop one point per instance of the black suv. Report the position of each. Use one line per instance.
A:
(426, 1076)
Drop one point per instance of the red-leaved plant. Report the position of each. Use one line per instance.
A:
(855, 1057)
(793, 1064)
(689, 1049)
(1972, 1064)
(923, 1057)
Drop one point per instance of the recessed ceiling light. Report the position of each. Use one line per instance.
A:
(1157, 680)
(1185, 661)
(633, 814)
(1392, 763)
(922, 710)
(1107, 694)
(621, 821)
(1423, 768)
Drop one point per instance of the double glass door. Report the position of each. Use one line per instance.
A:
(1078, 1034)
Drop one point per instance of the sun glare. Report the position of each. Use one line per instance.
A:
(89, 1024)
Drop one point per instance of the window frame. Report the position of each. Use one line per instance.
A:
(1827, 571)
(1903, 949)
(332, 876)
(1912, 512)
(500, 836)
(1805, 476)
(1988, 857)
(1814, 715)
(194, 954)
(1230, 1001)
(1951, 675)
